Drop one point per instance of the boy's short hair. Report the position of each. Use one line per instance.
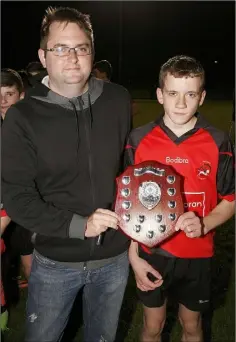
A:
(10, 78)
(182, 66)
(104, 66)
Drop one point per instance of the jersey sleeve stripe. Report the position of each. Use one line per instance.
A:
(229, 198)
(129, 146)
(228, 153)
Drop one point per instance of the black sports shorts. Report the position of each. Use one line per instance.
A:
(188, 281)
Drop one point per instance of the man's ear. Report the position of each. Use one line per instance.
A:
(41, 54)
(22, 95)
(159, 95)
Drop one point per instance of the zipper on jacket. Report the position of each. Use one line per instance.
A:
(77, 125)
(89, 162)
(93, 240)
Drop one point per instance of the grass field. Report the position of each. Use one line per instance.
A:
(219, 322)
(218, 113)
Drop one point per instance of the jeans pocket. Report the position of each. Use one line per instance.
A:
(42, 260)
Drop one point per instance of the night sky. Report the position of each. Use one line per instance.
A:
(137, 37)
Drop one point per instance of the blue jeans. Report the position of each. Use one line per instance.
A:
(53, 288)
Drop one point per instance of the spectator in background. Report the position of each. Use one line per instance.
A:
(103, 70)
(25, 79)
(5, 220)
(17, 239)
(12, 89)
(34, 68)
(36, 72)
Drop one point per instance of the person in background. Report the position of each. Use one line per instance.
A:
(36, 72)
(12, 89)
(34, 68)
(25, 79)
(17, 239)
(103, 70)
(5, 220)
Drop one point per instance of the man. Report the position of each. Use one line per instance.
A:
(62, 150)
(203, 156)
(18, 240)
(103, 70)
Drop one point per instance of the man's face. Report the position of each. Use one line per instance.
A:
(9, 96)
(72, 69)
(181, 98)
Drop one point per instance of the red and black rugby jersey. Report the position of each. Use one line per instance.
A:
(204, 158)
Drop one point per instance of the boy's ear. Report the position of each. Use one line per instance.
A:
(203, 95)
(159, 95)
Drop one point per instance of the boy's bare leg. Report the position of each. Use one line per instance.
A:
(191, 324)
(153, 323)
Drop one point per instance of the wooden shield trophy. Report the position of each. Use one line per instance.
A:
(149, 202)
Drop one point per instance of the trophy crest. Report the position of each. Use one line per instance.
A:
(149, 202)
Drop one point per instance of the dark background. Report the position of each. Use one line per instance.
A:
(137, 37)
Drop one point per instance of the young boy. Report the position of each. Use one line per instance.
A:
(11, 89)
(19, 239)
(203, 156)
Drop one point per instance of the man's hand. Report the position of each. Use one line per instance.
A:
(141, 269)
(190, 224)
(100, 221)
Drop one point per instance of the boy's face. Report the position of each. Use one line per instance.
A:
(181, 98)
(9, 96)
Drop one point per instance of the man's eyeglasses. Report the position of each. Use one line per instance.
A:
(64, 51)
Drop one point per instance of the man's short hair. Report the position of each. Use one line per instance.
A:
(65, 15)
(10, 78)
(33, 67)
(181, 66)
(104, 66)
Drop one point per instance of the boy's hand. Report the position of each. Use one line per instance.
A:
(190, 224)
(142, 269)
